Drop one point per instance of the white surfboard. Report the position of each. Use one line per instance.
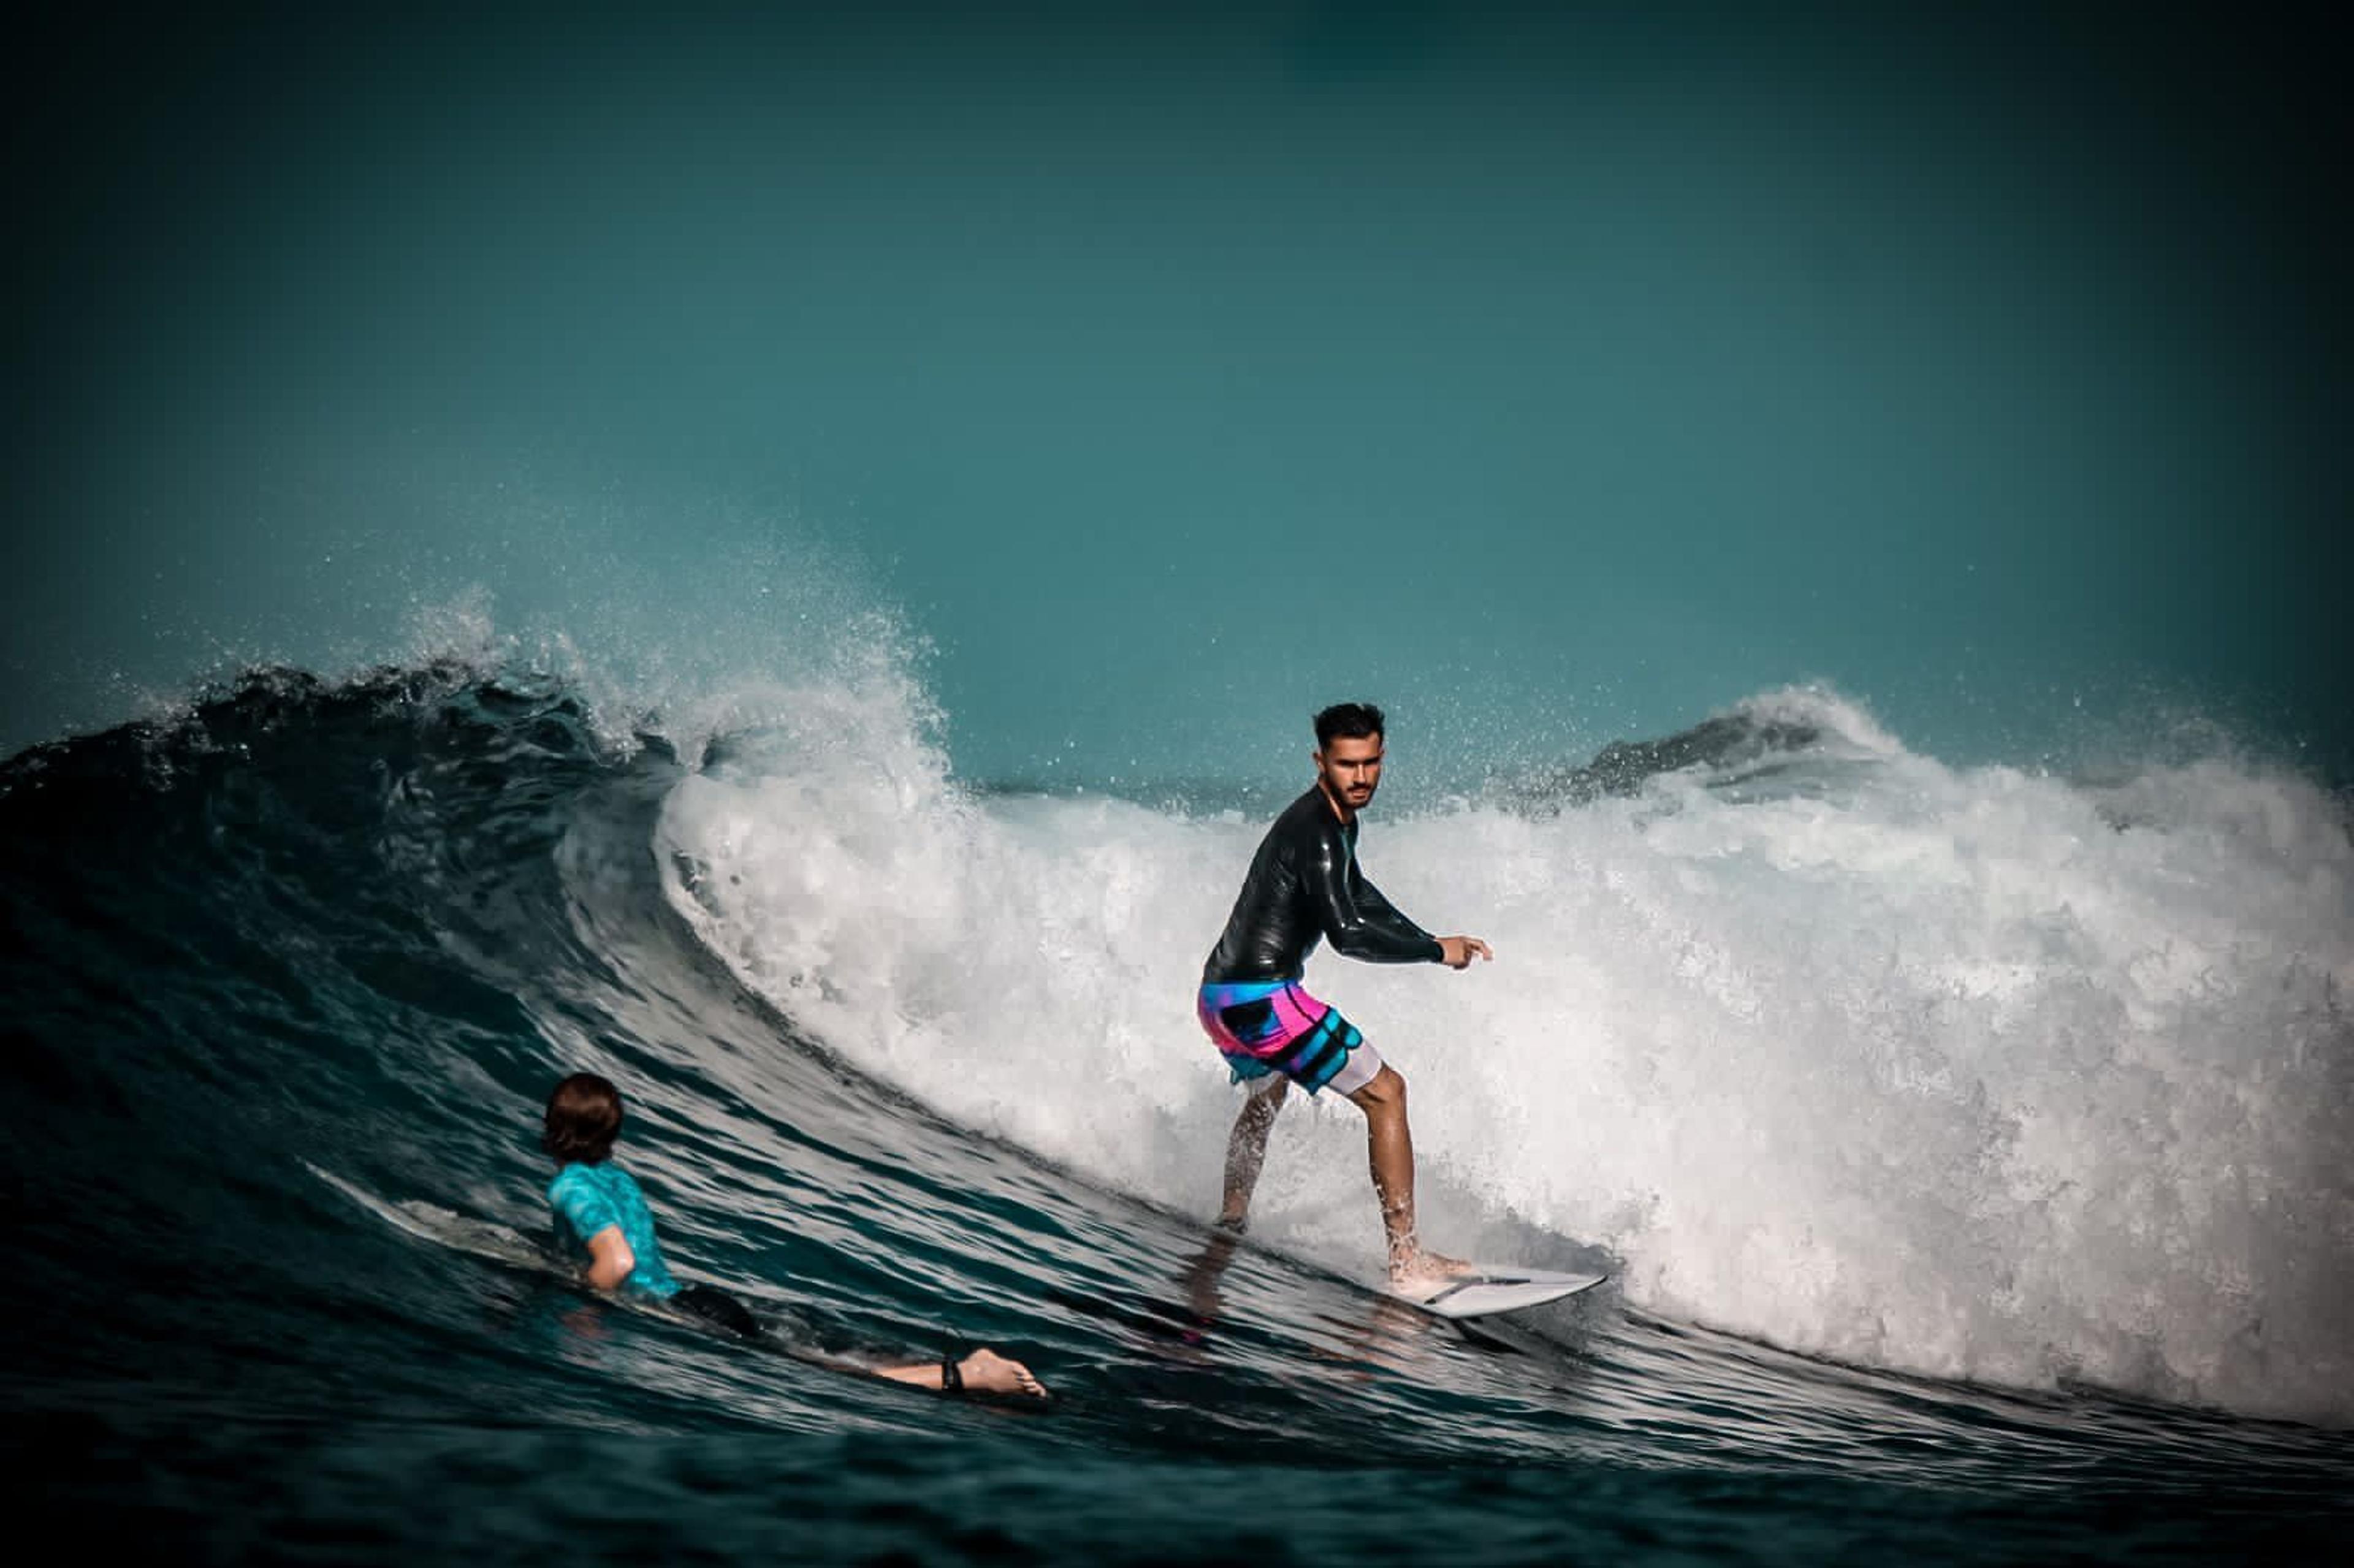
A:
(491, 1242)
(1493, 1288)
(446, 1227)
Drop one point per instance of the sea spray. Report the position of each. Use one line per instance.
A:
(1975, 1073)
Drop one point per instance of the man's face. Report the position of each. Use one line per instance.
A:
(1350, 769)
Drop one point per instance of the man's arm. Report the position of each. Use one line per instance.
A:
(1455, 952)
(1357, 921)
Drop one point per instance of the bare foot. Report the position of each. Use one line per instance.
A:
(986, 1372)
(1421, 1267)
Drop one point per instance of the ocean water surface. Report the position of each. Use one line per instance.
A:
(1915, 1111)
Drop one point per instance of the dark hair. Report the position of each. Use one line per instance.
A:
(1347, 721)
(584, 1117)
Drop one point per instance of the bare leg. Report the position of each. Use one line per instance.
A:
(1390, 1145)
(983, 1371)
(1246, 1151)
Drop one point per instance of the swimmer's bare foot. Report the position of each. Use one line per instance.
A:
(986, 1372)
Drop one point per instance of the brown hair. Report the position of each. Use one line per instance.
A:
(584, 1117)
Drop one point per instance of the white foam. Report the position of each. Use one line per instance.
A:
(1940, 1070)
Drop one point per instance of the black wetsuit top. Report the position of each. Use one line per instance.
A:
(1304, 885)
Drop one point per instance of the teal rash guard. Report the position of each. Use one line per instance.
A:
(587, 1198)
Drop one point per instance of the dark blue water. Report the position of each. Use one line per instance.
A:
(287, 980)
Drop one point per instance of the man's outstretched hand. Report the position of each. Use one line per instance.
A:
(1457, 952)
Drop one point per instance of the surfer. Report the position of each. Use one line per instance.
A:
(1303, 886)
(600, 1212)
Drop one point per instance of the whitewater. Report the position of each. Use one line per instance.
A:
(1975, 1073)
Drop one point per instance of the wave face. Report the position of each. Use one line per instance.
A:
(1960, 1139)
(1973, 1074)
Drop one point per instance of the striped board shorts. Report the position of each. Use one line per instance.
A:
(1268, 1027)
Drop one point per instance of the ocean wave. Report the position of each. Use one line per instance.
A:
(1971, 1072)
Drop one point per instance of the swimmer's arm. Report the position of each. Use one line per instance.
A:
(610, 1261)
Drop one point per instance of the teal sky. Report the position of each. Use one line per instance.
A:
(1553, 380)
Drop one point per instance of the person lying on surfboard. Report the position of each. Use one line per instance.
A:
(600, 1212)
(1304, 886)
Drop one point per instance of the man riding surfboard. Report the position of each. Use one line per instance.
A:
(1304, 886)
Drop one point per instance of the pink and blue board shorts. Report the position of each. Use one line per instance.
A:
(1266, 1027)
